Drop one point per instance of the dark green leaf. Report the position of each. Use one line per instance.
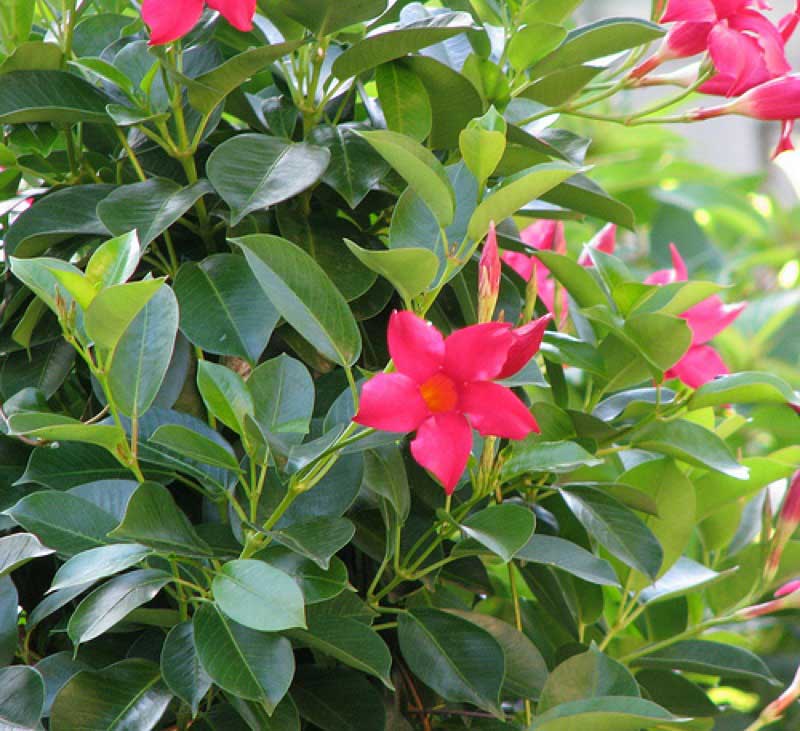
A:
(604, 714)
(317, 584)
(17, 549)
(9, 620)
(569, 557)
(181, 668)
(317, 539)
(676, 693)
(21, 698)
(225, 394)
(684, 577)
(324, 17)
(185, 441)
(98, 563)
(504, 529)
(56, 670)
(339, 700)
(530, 456)
(385, 475)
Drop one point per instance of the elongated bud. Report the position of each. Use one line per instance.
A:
(775, 100)
(788, 521)
(777, 709)
(787, 597)
(531, 293)
(488, 277)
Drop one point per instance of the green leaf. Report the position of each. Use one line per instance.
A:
(597, 40)
(70, 464)
(568, 556)
(588, 675)
(318, 539)
(44, 368)
(181, 668)
(404, 101)
(661, 339)
(676, 693)
(317, 584)
(63, 522)
(530, 455)
(351, 642)
(115, 308)
(54, 427)
(504, 529)
(98, 563)
(21, 698)
(126, 696)
(113, 601)
(325, 17)
(385, 475)
(419, 167)
(189, 443)
(582, 194)
(149, 208)
(525, 668)
(561, 85)
(691, 443)
(153, 519)
(460, 661)
(304, 296)
(453, 98)
(605, 714)
(50, 96)
(581, 285)
(58, 216)
(355, 168)
(253, 665)
(482, 144)
(259, 596)
(708, 658)
(410, 271)
(532, 42)
(114, 261)
(9, 621)
(685, 576)
(210, 88)
(252, 171)
(143, 354)
(392, 42)
(616, 527)
(515, 193)
(225, 394)
(747, 387)
(19, 548)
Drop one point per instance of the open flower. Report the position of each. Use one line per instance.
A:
(444, 387)
(549, 236)
(706, 320)
(171, 19)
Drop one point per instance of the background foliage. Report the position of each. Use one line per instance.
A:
(203, 243)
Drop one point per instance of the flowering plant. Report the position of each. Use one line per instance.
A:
(343, 386)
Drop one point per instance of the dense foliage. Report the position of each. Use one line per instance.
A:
(357, 369)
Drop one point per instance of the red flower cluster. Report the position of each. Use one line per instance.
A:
(701, 363)
(445, 387)
(171, 19)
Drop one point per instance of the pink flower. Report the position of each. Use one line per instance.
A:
(605, 240)
(706, 320)
(787, 597)
(776, 100)
(444, 388)
(788, 521)
(488, 277)
(171, 19)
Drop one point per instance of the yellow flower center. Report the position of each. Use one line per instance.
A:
(439, 393)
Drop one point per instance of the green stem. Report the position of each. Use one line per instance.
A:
(512, 583)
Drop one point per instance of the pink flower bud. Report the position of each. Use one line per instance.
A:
(488, 277)
(788, 521)
(787, 597)
(774, 100)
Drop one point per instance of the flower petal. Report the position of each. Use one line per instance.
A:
(545, 235)
(477, 352)
(416, 346)
(710, 317)
(691, 10)
(605, 240)
(391, 402)
(678, 272)
(442, 447)
(526, 343)
(169, 21)
(522, 264)
(700, 365)
(495, 410)
(239, 13)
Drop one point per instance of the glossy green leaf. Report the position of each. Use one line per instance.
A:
(252, 172)
(21, 698)
(259, 596)
(317, 584)
(616, 528)
(304, 295)
(460, 661)
(9, 620)
(582, 194)
(50, 96)
(605, 714)
(684, 577)
(591, 674)
(482, 144)
(419, 167)
(19, 548)
(98, 563)
(385, 475)
(210, 88)
(339, 700)
(691, 443)
(676, 693)
(113, 601)
(532, 42)
(709, 658)
(63, 522)
(661, 339)
(126, 696)
(559, 86)
(181, 668)
(536, 456)
(351, 642)
(225, 394)
(504, 529)
(515, 193)
(742, 388)
(570, 557)
(253, 665)
(189, 443)
(324, 17)
(404, 101)
(149, 208)
(153, 519)
(317, 540)
(581, 285)
(54, 427)
(397, 41)
(114, 261)
(411, 271)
